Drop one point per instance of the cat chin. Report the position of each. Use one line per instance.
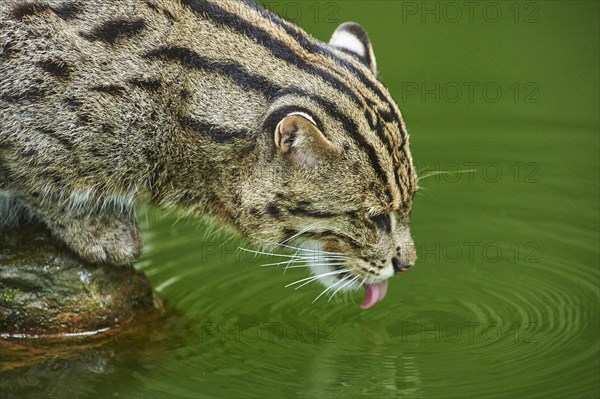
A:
(335, 282)
(333, 272)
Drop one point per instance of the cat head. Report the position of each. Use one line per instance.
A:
(335, 177)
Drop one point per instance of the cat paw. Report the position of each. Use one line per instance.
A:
(112, 242)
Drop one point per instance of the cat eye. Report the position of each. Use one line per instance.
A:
(383, 222)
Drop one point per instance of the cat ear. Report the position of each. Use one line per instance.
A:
(351, 38)
(298, 136)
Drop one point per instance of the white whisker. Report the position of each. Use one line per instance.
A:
(292, 260)
(325, 262)
(284, 262)
(304, 230)
(282, 244)
(316, 277)
(296, 266)
(444, 172)
(313, 265)
(304, 266)
(266, 253)
(328, 264)
(342, 287)
(327, 289)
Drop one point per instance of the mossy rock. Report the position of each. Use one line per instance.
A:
(45, 290)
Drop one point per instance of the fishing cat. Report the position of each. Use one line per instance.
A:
(218, 107)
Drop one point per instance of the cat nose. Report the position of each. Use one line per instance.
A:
(399, 266)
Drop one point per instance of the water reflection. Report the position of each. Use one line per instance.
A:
(363, 361)
(67, 367)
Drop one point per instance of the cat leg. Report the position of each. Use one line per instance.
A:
(108, 234)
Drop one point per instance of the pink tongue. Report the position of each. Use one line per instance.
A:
(374, 293)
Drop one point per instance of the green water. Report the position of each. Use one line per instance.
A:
(504, 299)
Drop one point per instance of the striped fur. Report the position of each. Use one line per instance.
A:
(177, 102)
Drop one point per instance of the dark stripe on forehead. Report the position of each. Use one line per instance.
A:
(408, 175)
(376, 119)
(390, 117)
(278, 48)
(399, 180)
(364, 79)
(379, 128)
(387, 140)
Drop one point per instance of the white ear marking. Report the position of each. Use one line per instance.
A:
(352, 39)
(304, 115)
(348, 41)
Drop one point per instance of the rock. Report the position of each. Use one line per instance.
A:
(47, 291)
